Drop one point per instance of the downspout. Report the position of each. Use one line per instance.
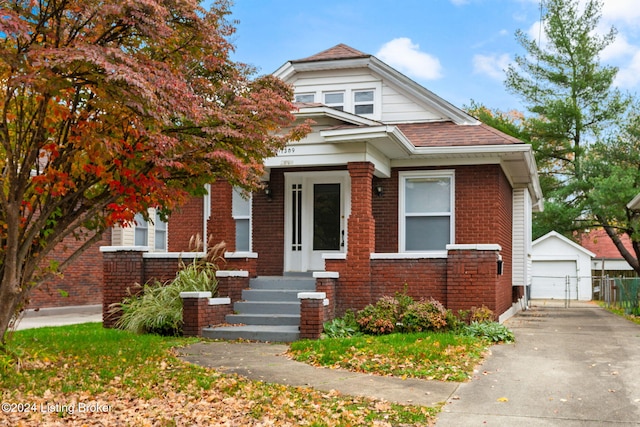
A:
(206, 214)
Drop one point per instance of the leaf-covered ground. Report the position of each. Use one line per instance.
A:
(85, 375)
(430, 356)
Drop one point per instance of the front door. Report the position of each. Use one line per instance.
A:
(315, 210)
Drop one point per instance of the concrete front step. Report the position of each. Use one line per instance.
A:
(269, 311)
(264, 319)
(304, 284)
(254, 332)
(272, 295)
(268, 307)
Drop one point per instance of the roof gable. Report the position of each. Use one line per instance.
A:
(330, 67)
(554, 235)
(339, 51)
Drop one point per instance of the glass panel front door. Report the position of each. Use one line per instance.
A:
(326, 217)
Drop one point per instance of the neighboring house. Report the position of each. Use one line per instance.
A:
(607, 260)
(561, 269)
(395, 189)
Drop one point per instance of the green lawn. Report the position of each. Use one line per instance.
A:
(432, 356)
(87, 375)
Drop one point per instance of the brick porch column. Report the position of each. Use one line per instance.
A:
(123, 267)
(472, 276)
(355, 289)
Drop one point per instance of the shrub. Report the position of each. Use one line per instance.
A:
(482, 314)
(342, 327)
(491, 331)
(380, 318)
(425, 315)
(158, 309)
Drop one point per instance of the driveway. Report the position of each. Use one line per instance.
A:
(576, 366)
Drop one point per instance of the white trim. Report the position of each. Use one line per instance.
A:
(176, 255)
(409, 255)
(326, 275)
(331, 255)
(475, 247)
(312, 295)
(232, 273)
(232, 255)
(195, 294)
(124, 249)
(220, 301)
(634, 204)
(402, 179)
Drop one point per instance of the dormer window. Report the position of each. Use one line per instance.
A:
(334, 100)
(306, 97)
(363, 102)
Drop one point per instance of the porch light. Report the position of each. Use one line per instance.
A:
(268, 193)
(378, 190)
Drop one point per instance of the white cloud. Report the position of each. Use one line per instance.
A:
(621, 12)
(459, 2)
(406, 57)
(619, 48)
(491, 65)
(629, 75)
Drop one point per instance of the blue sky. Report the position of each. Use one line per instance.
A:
(456, 48)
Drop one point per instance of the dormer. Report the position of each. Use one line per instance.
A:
(348, 80)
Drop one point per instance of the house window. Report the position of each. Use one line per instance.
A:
(363, 102)
(426, 211)
(305, 97)
(241, 211)
(334, 100)
(160, 230)
(141, 231)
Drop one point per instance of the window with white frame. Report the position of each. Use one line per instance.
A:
(160, 234)
(426, 210)
(241, 212)
(305, 97)
(141, 233)
(334, 100)
(363, 102)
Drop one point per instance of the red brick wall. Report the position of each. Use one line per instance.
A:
(424, 278)
(221, 227)
(471, 280)
(122, 270)
(482, 215)
(185, 223)
(81, 281)
(268, 226)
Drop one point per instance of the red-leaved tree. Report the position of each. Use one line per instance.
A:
(110, 107)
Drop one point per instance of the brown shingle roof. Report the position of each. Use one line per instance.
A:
(446, 134)
(340, 51)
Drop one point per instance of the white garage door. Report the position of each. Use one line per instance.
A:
(549, 279)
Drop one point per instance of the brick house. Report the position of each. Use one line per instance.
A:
(394, 189)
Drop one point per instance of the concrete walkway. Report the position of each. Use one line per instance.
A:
(266, 362)
(60, 316)
(577, 366)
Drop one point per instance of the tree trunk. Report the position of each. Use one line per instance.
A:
(10, 297)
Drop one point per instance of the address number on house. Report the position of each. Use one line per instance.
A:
(286, 150)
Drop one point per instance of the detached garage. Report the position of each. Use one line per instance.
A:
(561, 269)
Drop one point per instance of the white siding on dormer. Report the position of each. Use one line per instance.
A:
(391, 104)
(399, 108)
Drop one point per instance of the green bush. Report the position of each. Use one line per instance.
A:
(342, 327)
(380, 318)
(158, 309)
(424, 315)
(491, 331)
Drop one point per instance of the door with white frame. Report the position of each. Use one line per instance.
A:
(317, 205)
